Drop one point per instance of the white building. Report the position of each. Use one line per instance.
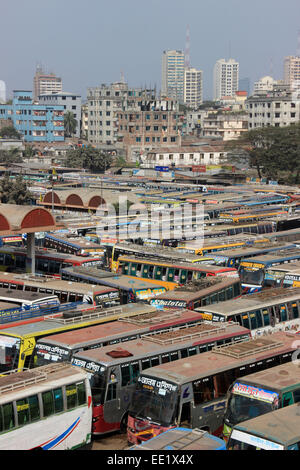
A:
(292, 72)
(193, 87)
(172, 79)
(203, 155)
(225, 126)
(225, 78)
(264, 84)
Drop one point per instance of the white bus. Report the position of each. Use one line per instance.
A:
(47, 408)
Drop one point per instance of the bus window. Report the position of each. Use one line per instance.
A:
(184, 353)
(8, 416)
(111, 392)
(171, 272)
(174, 356)
(132, 269)
(266, 317)
(125, 268)
(22, 411)
(145, 270)
(222, 296)
(154, 361)
(176, 275)
(238, 319)
(245, 321)
(189, 276)
(71, 393)
(58, 400)
(222, 383)
(9, 261)
(192, 351)
(295, 310)
(72, 297)
(253, 322)
(229, 293)
(259, 319)
(165, 358)
(214, 298)
(203, 390)
(283, 313)
(20, 261)
(150, 272)
(205, 301)
(236, 289)
(34, 408)
(183, 275)
(48, 404)
(157, 273)
(139, 270)
(145, 363)
(64, 297)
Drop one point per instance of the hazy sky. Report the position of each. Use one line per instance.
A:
(93, 41)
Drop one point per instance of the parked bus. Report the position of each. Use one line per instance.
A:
(66, 291)
(200, 293)
(263, 313)
(192, 391)
(278, 430)
(116, 368)
(27, 300)
(292, 235)
(48, 408)
(178, 273)
(182, 439)
(46, 262)
(156, 253)
(72, 244)
(215, 229)
(17, 343)
(130, 288)
(251, 216)
(260, 393)
(252, 270)
(210, 246)
(284, 275)
(62, 346)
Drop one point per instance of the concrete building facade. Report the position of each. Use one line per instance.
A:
(45, 83)
(225, 126)
(225, 78)
(292, 72)
(70, 102)
(193, 87)
(172, 80)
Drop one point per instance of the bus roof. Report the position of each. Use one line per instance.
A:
(253, 301)
(200, 288)
(277, 378)
(223, 358)
(50, 254)
(122, 327)
(277, 257)
(14, 294)
(281, 426)
(48, 282)
(59, 322)
(252, 250)
(169, 340)
(15, 385)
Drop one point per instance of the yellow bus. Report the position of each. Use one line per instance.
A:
(213, 245)
(18, 342)
(247, 217)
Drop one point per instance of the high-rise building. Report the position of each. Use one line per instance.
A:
(193, 88)
(226, 78)
(172, 81)
(292, 72)
(44, 83)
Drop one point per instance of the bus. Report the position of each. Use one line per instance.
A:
(251, 216)
(18, 342)
(182, 439)
(263, 312)
(47, 408)
(260, 393)
(284, 275)
(292, 235)
(62, 346)
(72, 244)
(46, 262)
(277, 430)
(156, 253)
(191, 392)
(214, 229)
(252, 270)
(210, 246)
(115, 368)
(27, 300)
(66, 291)
(200, 293)
(178, 273)
(130, 288)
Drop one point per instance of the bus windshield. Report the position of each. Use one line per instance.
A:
(9, 353)
(154, 401)
(241, 408)
(46, 353)
(97, 377)
(255, 277)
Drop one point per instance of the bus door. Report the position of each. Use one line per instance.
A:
(111, 409)
(186, 408)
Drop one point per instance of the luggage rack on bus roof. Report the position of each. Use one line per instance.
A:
(86, 317)
(35, 377)
(141, 318)
(186, 332)
(247, 347)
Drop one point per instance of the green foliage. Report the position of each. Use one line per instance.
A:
(70, 124)
(14, 191)
(10, 156)
(88, 158)
(273, 151)
(9, 132)
(29, 151)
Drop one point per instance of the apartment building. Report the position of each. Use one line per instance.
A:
(280, 107)
(225, 78)
(45, 83)
(185, 156)
(292, 72)
(172, 81)
(264, 84)
(36, 122)
(193, 87)
(225, 126)
(70, 102)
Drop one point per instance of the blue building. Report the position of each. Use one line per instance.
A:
(36, 122)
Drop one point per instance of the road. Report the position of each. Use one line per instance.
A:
(115, 441)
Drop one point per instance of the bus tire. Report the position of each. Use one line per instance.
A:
(123, 424)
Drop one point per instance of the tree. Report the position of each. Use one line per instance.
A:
(10, 156)
(14, 191)
(89, 158)
(273, 151)
(29, 151)
(70, 124)
(9, 132)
